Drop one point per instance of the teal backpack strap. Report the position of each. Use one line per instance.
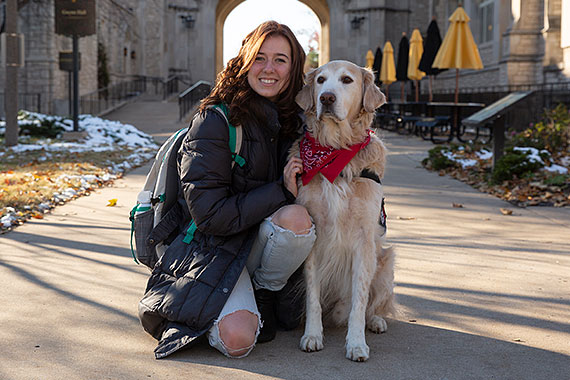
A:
(190, 233)
(235, 136)
(132, 218)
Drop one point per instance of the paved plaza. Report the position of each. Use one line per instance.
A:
(482, 295)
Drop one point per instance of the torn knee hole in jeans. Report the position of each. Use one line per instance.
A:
(302, 233)
(248, 347)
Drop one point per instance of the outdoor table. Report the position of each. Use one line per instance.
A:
(457, 109)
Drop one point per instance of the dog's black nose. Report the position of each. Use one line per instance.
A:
(327, 98)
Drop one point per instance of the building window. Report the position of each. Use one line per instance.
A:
(486, 17)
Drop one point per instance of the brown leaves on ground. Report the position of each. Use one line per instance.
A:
(522, 192)
(32, 183)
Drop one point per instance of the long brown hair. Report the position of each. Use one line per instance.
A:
(233, 89)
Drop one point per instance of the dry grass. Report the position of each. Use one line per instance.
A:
(31, 183)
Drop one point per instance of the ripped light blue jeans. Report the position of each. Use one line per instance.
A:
(276, 254)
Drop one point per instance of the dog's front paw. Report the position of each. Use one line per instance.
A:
(377, 324)
(357, 352)
(311, 343)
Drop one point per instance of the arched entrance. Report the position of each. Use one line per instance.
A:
(320, 8)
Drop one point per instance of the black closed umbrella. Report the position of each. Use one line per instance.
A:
(377, 65)
(402, 65)
(431, 46)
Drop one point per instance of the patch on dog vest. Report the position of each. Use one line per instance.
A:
(382, 220)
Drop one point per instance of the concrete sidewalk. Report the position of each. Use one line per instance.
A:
(482, 295)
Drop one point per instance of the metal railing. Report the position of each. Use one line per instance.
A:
(108, 98)
(190, 98)
(544, 96)
(544, 87)
(26, 101)
(104, 99)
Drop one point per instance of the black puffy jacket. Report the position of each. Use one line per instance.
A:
(191, 282)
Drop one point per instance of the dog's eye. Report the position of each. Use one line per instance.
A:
(346, 80)
(320, 80)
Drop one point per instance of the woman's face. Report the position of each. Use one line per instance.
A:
(269, 74)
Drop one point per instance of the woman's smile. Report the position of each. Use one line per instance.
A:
(269, 73)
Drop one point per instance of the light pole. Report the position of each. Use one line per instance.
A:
(12, 64)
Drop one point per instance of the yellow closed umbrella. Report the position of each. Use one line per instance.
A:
(414, 57)
(388, 68)
(458, 49)
(369, 59)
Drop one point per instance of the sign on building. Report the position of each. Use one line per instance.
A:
(66, 61)
(14, 58)
(75, 17)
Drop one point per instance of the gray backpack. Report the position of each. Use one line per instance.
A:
(160, 215)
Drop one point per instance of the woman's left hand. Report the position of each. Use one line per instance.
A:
(293, 167)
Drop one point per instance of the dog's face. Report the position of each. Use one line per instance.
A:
(340, 90)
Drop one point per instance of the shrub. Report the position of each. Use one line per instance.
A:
(558, 180)
(31, 125)
(437, 159)
(552, 133)
(514, 163)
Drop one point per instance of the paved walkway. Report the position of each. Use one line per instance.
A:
(482, 295)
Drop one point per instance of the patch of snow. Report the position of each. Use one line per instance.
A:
(533, 153)
(102, 135)
(556, 169)
(484, 154)
(44, 206)
(464, 162)
(7, 220)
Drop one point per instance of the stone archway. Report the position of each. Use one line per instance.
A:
(320, 8)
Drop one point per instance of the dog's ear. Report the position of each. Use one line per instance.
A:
(373, 97)
(305, 97)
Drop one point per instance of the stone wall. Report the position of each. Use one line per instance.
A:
(149, 37)
(118, 33)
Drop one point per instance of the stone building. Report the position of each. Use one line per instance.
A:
(521, 42)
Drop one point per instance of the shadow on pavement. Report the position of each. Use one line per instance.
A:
(406, 351)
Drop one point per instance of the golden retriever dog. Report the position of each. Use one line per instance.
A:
(348, 274)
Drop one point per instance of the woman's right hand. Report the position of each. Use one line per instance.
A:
(293, 167)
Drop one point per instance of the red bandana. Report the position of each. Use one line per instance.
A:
(329, 161)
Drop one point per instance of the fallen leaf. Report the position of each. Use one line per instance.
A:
(506, 211)
(457, 205)
(112, 202)
(37, 216)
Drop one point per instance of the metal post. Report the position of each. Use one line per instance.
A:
(75, 83)
(69, 92)
(498, 139)
(12, 57)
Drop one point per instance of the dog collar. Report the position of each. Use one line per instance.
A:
(326, 160)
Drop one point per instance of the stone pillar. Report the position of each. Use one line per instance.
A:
(553, 53)
(203, 54)
(565, 36)
(380, 21)
(523, 52)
